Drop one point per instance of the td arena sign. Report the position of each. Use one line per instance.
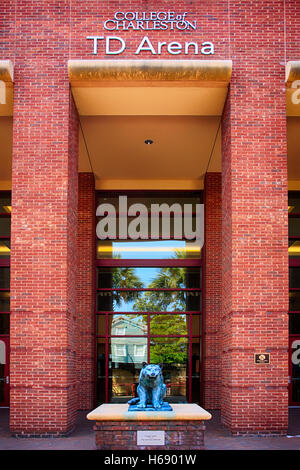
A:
(149, 21)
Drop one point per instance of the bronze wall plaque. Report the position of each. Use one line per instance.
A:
(262, 358)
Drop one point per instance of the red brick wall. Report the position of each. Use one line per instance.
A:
(254, 192)
(85, 359)
(212, 291)
(292, 28)
(44, 226)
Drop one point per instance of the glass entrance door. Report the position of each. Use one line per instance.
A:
(294, 381)
(4, 371)
(158, 325)
(5, 220)
(294, 298)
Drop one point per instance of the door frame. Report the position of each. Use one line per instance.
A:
(192, 262)
(5, 263)
(5, 403)
(292, 338)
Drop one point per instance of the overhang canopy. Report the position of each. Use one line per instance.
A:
(144, 70)
(292, 71)
(176, 103)
(6, 87)
(174, 87)
(292, 79)
(6, 71)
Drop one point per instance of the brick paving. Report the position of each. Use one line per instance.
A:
(216, 437)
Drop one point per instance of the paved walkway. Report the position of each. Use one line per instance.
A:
(216, 437)
(219, 438)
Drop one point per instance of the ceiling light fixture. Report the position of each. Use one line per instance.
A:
(148, 141)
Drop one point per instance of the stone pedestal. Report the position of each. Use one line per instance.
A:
(118, 429)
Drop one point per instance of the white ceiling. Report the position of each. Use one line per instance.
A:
(150, 100)
(184, 147)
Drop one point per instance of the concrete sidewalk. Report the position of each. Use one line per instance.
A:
(216, 436)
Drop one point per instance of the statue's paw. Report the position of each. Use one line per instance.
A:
(141, 405)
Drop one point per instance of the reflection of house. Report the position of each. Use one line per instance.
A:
(129, 346)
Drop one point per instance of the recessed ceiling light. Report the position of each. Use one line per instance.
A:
(148, 141)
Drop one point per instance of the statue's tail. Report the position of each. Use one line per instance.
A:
(133, 401)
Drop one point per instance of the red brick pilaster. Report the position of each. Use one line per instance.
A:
(44, 226)
(212, 290)
(85, 290)
(254, 208)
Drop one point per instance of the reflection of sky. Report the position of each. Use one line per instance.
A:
(146, 275)
(140, 249)
(123, 306)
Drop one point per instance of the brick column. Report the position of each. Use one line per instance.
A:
(85, 290)
(212, 290)
(44, 226)
(255, 230)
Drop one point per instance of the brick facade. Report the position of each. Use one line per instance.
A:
(212, 291)
(44, 231)
(255, 228)
(85, 313)
(51, 322)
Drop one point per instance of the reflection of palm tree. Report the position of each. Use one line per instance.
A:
(125, 278)
(167, 278)
(172, 350)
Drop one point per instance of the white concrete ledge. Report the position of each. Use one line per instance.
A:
(119, 412)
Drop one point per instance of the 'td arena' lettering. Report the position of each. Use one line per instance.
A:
(115, 45)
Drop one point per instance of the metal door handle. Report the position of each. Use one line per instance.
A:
(7, 379)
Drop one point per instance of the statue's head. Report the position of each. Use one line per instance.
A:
(152, 371)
